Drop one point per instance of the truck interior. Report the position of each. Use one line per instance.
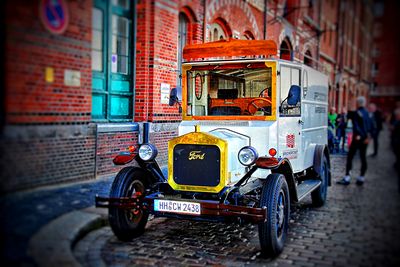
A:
(231, 89)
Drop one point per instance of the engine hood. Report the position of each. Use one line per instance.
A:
(235, 142)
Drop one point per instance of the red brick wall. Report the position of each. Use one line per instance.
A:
(156, 58)
(387, 57)
(40, 155)
(30, 49)
(47, 138)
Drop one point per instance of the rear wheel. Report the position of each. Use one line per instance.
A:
(127, 224)
(318, 196)
(272, 232)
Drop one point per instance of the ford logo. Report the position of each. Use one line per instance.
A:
(196, 155)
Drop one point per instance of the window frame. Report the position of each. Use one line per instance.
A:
(281, 97)
(106, 76)
(269, 64)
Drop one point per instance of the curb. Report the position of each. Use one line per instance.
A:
(52, 244)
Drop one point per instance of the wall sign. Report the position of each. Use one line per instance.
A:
(54, 15)
(72, 78)
(49, 74)
(165, 88)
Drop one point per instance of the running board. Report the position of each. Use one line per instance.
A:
(306, 188)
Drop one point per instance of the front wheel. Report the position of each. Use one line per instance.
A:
(273, 231)
(318, 196)
(127, 224)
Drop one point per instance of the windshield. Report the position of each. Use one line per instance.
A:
(230, 90)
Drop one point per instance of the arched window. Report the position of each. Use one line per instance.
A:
(308, 58)
(248, 35)
(218, 32)
(286, 49)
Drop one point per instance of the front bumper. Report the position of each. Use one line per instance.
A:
(210, 210)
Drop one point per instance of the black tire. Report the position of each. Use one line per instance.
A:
(275, 197)
(318, 196)
(125, 223)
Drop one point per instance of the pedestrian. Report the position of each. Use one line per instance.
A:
(377, 122)
(362, 128)
(341, 123)
(332, 116)
(395, 141)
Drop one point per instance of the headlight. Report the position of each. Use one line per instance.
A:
(147, 152)
(247, 155)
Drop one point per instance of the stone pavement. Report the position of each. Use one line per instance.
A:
(24, 213)
(56, 226)
(357, 227)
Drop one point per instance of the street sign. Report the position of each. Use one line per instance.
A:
(54, 15)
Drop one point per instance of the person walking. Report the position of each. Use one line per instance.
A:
(362, 129)
(377, 122)
(341, 123)
(332, 116)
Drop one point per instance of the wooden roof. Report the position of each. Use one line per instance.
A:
(230, 48)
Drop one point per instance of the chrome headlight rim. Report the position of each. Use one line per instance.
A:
(251, 153)
(147, 152)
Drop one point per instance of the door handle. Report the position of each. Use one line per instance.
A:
(301, 122)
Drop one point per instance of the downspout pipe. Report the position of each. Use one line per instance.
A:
(265, 19)
(146, 132)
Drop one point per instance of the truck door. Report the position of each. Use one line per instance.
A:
(290, 123)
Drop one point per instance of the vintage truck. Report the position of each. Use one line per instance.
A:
(253, 140)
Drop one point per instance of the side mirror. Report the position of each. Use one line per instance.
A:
(294, 95)
(174, 99)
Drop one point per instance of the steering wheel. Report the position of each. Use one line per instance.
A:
(258, 103)
(263, 91)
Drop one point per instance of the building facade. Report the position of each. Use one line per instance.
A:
(82, 76)
(386, 56)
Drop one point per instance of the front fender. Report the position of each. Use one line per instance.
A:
(320, 152)
(150, 166)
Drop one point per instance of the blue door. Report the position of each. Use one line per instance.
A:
(112, 63)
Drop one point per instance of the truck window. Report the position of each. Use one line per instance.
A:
(289, 76)
(229, 90)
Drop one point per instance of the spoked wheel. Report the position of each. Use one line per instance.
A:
(318, 196)
(128, 223)
(273, 231)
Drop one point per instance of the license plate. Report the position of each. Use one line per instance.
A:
(177, 206)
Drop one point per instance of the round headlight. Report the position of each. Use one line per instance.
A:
(247, 155)
(147, 152)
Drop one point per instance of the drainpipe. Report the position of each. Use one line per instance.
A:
(319, 32)
(146, 132)
(265, 18)
(204, 22)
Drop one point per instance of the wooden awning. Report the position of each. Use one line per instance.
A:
(230, 48)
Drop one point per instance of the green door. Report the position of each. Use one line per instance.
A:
(112, 64)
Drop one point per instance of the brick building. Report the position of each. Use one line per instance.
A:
(386, 56)
(82, 76)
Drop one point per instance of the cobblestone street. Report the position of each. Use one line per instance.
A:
(358, 226)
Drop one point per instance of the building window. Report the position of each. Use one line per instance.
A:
(286, 50)
(308, 58)
(218, 32)
(248, 35)
(112, 64)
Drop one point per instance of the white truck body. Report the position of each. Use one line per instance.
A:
(293, 136)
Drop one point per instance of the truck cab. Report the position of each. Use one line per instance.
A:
(252, 141)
